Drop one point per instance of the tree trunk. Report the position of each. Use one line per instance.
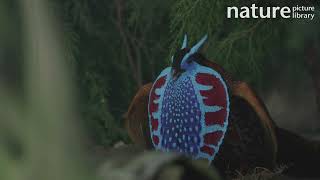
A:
(134, 61)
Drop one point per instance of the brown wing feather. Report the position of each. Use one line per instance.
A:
(136, 118)
(243, 90)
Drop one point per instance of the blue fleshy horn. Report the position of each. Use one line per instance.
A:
(193, 50)
(196, 47)
(184, 43)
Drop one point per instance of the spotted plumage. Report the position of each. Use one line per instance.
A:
(189, 107)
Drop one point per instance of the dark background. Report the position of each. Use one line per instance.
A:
(114, 46)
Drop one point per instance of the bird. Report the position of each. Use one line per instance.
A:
(196, 108)
(182, 101)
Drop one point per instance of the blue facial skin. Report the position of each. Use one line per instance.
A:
(189, 65)
(186, 62)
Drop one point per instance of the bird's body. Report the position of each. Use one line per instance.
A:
(216, 99)
(182, 102)
(249, 139)
(180, 111)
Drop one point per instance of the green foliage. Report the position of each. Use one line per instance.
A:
(106, 79)
(239, 45)
(108, 56)
(115, 46)
(247, 48)
(118, 45)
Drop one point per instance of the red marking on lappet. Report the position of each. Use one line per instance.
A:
(216, 96)
(207, 150)
(213, 138)
(153, 107)
(155, 139)
(213, 118)
(154, 124)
